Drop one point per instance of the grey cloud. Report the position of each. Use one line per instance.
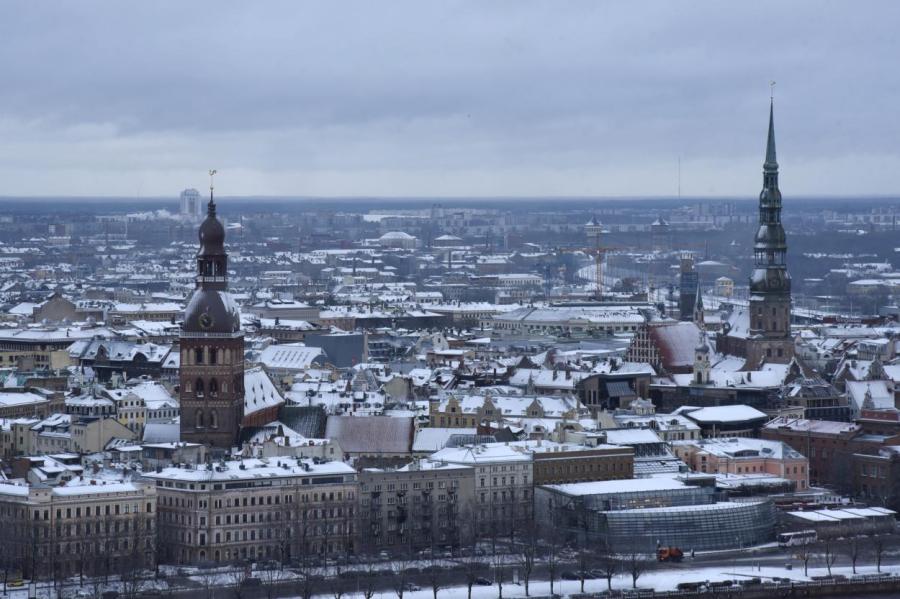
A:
(337, 97)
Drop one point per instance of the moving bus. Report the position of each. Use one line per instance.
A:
(800, 537)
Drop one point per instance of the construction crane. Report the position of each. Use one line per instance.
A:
(594, 231)
(598, 253)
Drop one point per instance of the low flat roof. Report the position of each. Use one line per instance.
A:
(610, 487)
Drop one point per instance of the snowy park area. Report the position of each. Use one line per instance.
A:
(661, 580)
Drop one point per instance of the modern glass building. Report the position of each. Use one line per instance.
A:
(642, 514)
(727, 525)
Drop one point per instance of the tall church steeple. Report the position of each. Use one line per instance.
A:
(212, 346)
(770, 283)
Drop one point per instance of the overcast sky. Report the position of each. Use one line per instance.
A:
(447, 98)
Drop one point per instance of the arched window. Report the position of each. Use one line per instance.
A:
(213, 386)
(214, 419)
(213, 354)
(198, 355)
(198, 387)
(198, 420)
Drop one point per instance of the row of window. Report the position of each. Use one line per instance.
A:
(97, 510)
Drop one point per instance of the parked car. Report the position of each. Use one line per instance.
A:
(483, 582)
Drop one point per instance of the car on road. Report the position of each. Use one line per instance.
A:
(410, 587)
(483, 582)
(569, 575)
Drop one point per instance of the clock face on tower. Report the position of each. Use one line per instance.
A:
(205, 320)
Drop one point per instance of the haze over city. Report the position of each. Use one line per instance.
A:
(445, 99)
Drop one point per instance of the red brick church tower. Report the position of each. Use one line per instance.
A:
(212, 347)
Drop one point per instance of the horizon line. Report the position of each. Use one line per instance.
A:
(883, 196)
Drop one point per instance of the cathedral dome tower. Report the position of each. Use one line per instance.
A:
(212, 346)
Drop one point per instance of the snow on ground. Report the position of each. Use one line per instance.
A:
(659, 580)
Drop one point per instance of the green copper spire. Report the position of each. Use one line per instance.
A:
(771, 163)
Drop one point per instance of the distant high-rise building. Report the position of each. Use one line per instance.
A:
(191, 203)
(593, 229)
(770, 284)
(660, 234)
(689, 283)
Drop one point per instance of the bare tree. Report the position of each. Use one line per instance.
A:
(528, 552)
(608, 564)
(498, 569)
(399, 578)
(553, 545)
(585, 563)
(238, 579)
(434, 571)
(271, 578)
(828, 555)
(336, 585)
(585, 550)
(473, 566)
(471, 533)
(878, 551)
(368, 580)
(306, 584)
(637, 564)
(805, 554)
(854, 548)
(141, 552)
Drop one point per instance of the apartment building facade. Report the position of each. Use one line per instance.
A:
(253, 509)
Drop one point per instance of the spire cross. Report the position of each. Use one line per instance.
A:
(772, 91)
(211, 207)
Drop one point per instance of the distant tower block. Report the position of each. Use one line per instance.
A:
(191, 204)
(661, 234)
(593, 229)
(689, 283)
